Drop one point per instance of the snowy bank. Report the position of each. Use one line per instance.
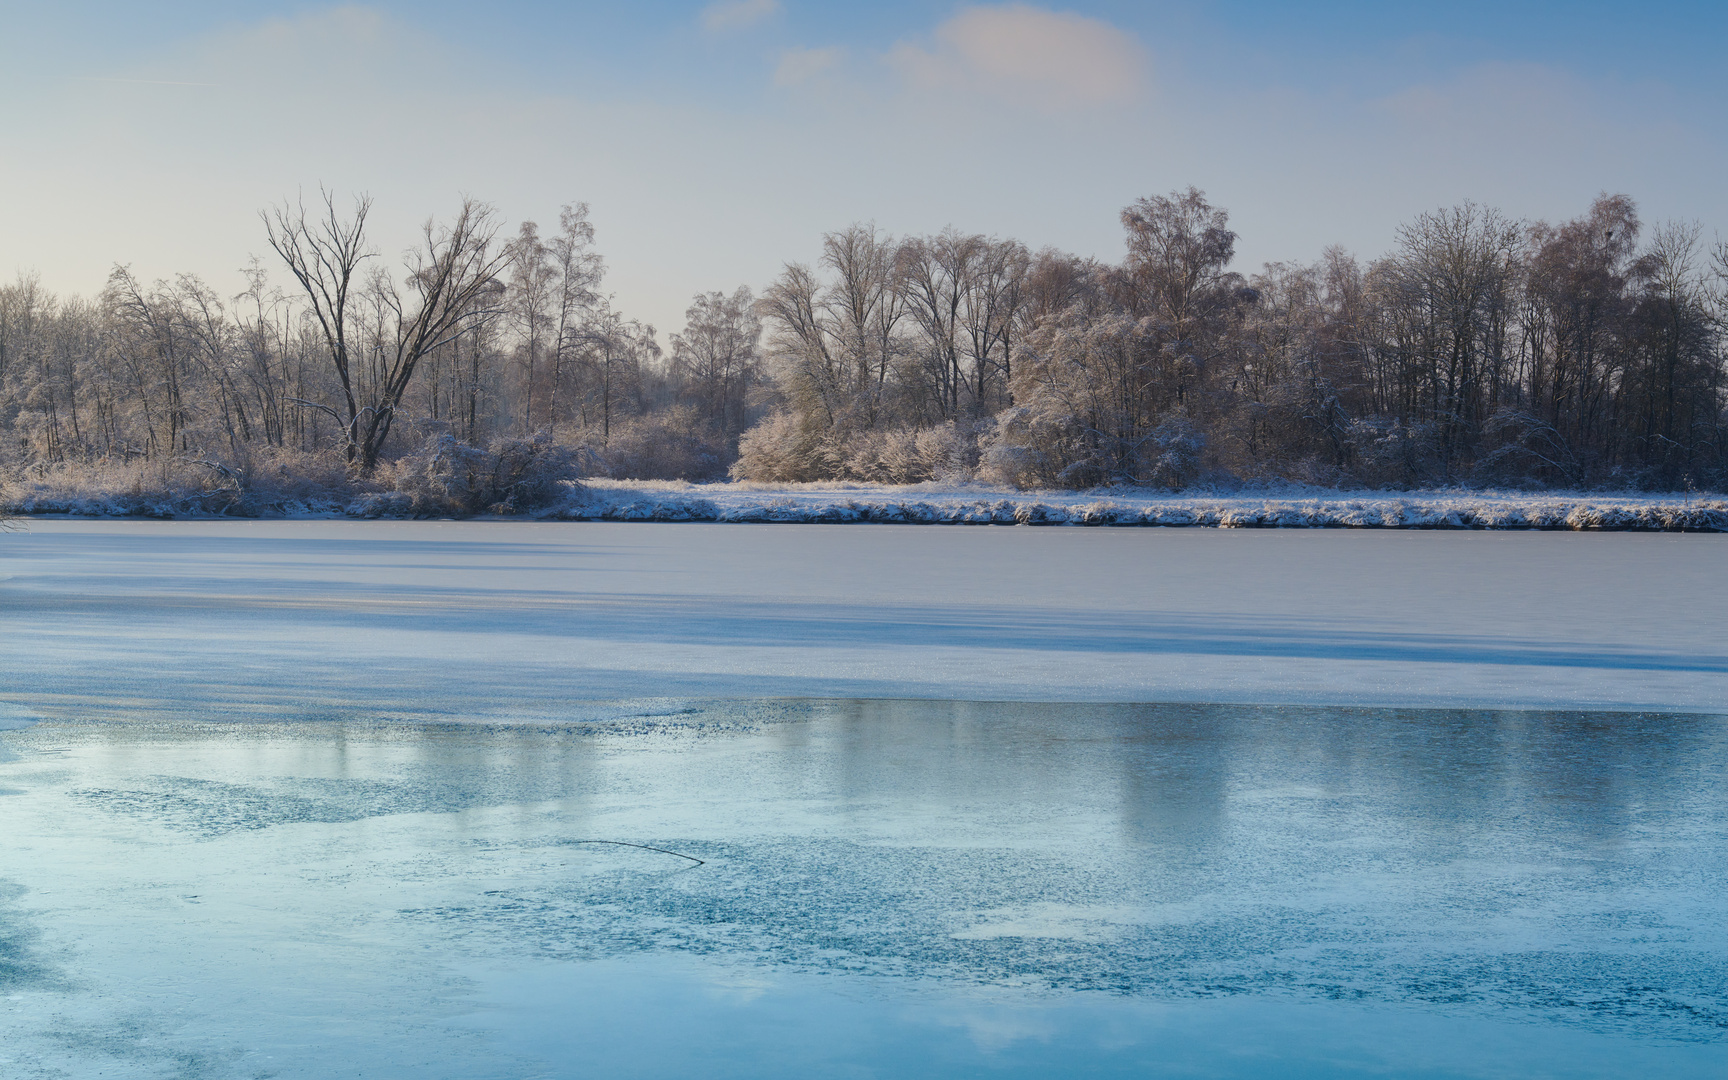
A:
(1287, 506)
(966, 504)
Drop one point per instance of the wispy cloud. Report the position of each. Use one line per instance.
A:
(138, 82)
(801, 65)
(1043, 58)
(732, 14)
(361, 43)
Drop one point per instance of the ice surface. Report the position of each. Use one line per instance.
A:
(537, 621)
(13, 717)
(316, 798)
(895, 889)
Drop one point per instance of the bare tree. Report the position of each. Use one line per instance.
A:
(715, 358)
(935, 277)
(814, 379)
(579, 270)
(1178, 247)
(994, 296)
(533, 278)
(615, 348)
(864, 308)
(324, 257)
(451, 269)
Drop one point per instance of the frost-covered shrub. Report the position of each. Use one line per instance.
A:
(908, 455)
(1024, 449)
(447, 477)
(1100, 402)
(1035, 447)
(1174, 453)
(260, 480)
(676, 444)
(1031, 447)
(1530, 453)
(1314, 472)
(1390, 453)
(276, 478)
(781, 448)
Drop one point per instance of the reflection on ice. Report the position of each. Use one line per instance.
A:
(14, 717)
(885, 888)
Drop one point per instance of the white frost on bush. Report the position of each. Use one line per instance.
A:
(443, 477)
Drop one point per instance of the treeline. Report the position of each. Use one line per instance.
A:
(477, 337)
(1480, 350)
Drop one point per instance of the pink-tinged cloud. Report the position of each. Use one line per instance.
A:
(801, 65)
(1029, 55)
(732, 14)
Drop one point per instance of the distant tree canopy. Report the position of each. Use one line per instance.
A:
(1479, 350)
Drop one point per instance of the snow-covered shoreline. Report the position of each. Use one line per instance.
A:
(1284, 506)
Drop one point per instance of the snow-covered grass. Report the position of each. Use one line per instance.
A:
(193, 491)
(1282, 506)
(441, 478)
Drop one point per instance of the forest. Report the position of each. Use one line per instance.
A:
(490, 364)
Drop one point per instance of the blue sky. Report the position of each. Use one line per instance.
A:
(715, 141)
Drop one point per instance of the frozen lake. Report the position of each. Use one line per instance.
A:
(886, 889)
(334, 798)
(462, 619)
